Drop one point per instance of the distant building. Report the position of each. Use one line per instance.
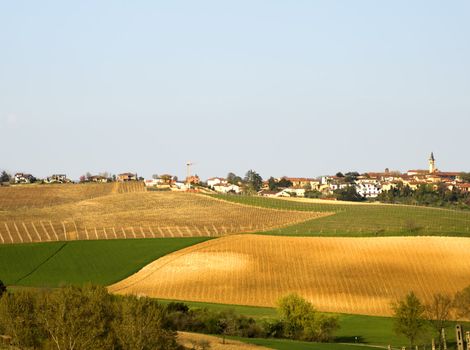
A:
(216, 181)
(227, 188)
(127, 177)
(57, 178)
(98, 178)
(22, 178)
(193, 180)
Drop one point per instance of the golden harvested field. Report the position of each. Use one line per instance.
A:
(347, 275)
(135, 214)
(39, 196)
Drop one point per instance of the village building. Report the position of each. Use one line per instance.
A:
(226, 188)
(211, 182)
(368, 188)
(98, 178)
(193, 180)
(127, 177)
(57, 178)
(22, 178)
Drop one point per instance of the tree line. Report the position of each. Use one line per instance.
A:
(88, 317)
(419, 321)
(426, 195)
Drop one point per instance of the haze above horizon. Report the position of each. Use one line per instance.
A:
(286, 88)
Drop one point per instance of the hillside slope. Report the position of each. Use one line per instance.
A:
(347, 275)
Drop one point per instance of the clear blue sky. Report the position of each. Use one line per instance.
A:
(299, 88)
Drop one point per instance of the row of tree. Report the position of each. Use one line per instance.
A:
(90, 318)
(426, 195)
(417, 320)
(80, 318)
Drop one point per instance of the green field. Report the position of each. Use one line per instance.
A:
(365, 219)
(78, 262)
(371, 330)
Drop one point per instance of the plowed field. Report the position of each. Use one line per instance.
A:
(347, 275)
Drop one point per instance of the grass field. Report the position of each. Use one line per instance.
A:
(337, 274)
(373, 330)
(364, 219)
(102, 262)
(136, 215)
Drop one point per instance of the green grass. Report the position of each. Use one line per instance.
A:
(78, 262)
(372, 330)
(366, 219)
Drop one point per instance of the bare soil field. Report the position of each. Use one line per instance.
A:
(189, 340)
(346, 275)
(124, 212)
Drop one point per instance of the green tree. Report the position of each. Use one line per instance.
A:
(140, 325)
(78, 318)
(253, 180)
(462, 303)
(348, 193)
(409, 317)
(18, 318)
(284, 182)
(438, 313)
(301, 321)
(295, 312)
(234, 179)
(320, 328)
(5, 177)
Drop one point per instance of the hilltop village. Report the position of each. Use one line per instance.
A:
(348, 186)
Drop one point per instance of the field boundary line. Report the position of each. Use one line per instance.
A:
(42, 263)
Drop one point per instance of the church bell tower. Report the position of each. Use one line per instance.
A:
(432, 164)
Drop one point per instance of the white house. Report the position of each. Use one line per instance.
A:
(368, 188)
(226, 188)
(21, 178)
(292, 192)
(57, 178)
(154, 182)
(213, 181)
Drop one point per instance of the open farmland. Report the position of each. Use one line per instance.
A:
(103, 262)
(361, 219)
(337, 274)
(133, 214)
(39, 196)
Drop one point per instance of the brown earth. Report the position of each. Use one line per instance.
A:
(193, 340)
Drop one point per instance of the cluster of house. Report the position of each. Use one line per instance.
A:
(23, 178)
(368, 185)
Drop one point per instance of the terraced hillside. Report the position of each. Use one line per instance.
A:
(337, 274)
(362, 219)
(113, 213)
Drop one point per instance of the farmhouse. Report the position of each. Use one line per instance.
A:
(216, 181)
(127, 177)
(57, 178)
(227, 188)
(22, 178)
(98, 178)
